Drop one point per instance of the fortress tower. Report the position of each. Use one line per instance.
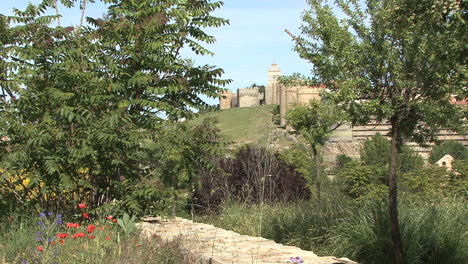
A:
(271, 90)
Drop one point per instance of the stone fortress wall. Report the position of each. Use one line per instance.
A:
(345, 140)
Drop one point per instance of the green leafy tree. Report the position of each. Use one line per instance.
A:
(396, 61)
(315, 122)
(453, 148)
(80, 103)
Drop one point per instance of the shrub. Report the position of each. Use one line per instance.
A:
(360, 180)
(376, 152)
(252, 175)
(453, 148)
(341, 161)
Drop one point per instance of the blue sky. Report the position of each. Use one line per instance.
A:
(246, 48)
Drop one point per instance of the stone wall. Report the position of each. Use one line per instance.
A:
(248, 97)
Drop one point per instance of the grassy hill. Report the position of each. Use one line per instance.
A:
(243, 125)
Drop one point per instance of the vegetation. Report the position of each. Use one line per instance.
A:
(80, 105)
(243, 125)
(453, 148)
(389, 61)
(48, 238)
(315, 122)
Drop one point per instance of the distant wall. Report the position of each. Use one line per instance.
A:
(248, 97)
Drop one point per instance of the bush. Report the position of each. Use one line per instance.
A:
(453, 148)
(376, 152)
(341, 161)
(359, 181)
(431, 233)
(252, 175)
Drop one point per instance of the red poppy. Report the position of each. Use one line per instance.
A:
(85, 215)
(62, 235)
(91, 228)
(114, 220)
(61, 241)
(91, 237)
(155, 236)
(82, 205)
(39, 248)
(78, 235)
(75, 225)
(52, 243)
(107, 237)
(109, 217)
(69, 225)
(99, 228)
(138, 245)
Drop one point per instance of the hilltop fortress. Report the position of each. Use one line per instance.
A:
(345, 140)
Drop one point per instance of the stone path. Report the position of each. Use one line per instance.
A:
(216, 245)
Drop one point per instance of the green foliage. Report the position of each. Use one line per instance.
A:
(85, 102)
(428, 184)
(341, 161)
(362, 181)
(433, 233)
(453, 148)
(127, 224)
(376, 152)
(315, 121)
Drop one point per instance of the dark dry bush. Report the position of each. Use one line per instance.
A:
(254, 174)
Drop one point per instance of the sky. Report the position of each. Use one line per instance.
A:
(245, 49)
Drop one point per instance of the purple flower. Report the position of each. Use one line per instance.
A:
(38, 233)
(50, 213)
(40, 223)
(59, 222)
(296, 260)
(41, 214)
(59, 216)
(38, 238)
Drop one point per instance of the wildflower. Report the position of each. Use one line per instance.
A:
(52, 243)
(91, 228)
(41, 214)
(78, 235)
(155, 236)
(82, 205)
(40, 223)
(59, 216)
(107, 237)
(75, 225)
(296, 260)
(109, 217)
(85, 215)
(114, 220)
(62, 235)
(50, 213)
(39, 248)
(138, 245)
(59, 221)
(69, 225)
(99, 228)
(61, 241)
(91, 237)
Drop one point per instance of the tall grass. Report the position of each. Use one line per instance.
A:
(431, 233)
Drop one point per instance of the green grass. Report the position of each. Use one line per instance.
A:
(431, 233)
(243, 125)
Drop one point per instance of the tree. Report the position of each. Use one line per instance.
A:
(315, 122)
(84, 101)
(453, 148)
(395, 61)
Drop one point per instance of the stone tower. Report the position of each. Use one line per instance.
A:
(271, 90)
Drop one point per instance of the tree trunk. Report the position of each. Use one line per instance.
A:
(317, 168)
(392, 194)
